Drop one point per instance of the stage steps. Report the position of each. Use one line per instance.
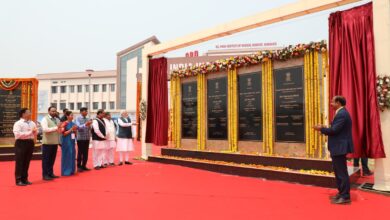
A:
(297, 170)
(8, 153)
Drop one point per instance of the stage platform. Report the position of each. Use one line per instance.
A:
(298, 170)
(8, 153)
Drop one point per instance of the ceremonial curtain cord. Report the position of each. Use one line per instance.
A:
(314, 75)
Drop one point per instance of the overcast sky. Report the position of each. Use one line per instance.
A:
(44, 36)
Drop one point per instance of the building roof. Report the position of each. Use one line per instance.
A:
(77, 75)
(139, 44)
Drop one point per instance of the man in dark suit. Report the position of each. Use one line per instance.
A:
(339, 144)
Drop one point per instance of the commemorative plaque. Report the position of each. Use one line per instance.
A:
(189, 110)
(250, 111)
(217, 108)
(289, 104)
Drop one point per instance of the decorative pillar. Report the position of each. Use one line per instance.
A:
(268, 107)
(145, 147)
(381, 11)
(313, 115)
(232, 110)
(201, 94)
(176, 108)
(137, 114)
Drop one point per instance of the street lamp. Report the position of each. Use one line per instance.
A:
(89, 71)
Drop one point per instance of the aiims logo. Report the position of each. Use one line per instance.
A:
(249, 82)
(288, 77)
(189, 89)
(216, 85)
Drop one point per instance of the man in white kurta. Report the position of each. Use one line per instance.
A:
(109, 153)
(125, 138)
(99, 137)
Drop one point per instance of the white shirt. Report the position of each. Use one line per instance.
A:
(123, 124)
(23, 130)
(110, 126)
(95, 126)
(45, 126)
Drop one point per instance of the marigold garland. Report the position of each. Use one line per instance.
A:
(383, 91)
(8, 84)
(258, 166)
(142, 106)
(253, 59)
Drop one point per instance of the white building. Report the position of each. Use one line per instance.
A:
(71, 90)
(129, 64)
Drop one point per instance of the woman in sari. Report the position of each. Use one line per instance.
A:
(68, 154)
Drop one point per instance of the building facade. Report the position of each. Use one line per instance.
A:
(75, 90)
(129, 64)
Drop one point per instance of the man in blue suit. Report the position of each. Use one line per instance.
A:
(339, 144)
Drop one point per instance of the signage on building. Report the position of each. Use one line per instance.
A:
(192, 54)
(182, 62)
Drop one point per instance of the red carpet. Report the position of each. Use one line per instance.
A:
(156, 191)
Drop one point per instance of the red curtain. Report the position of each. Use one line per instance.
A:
(157, 120)
(353, 75)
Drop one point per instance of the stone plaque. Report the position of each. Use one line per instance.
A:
(289, 104)
(10, 104)
(250, 112)
(189, 120)
(217, 108)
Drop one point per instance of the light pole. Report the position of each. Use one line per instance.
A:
(89, 71)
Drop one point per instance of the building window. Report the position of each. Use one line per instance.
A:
(95, 105)
(53, 104)
(104, 105)
(62, 106)
(71, 105)
(79, 105)
(112, 105)
(104, 88)
(86, 88)
(112, 87)
(63, 89)
(71, 88)
(79, 88)
(54, 89)
(95, 88)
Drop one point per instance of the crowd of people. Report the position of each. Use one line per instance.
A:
(68, 133)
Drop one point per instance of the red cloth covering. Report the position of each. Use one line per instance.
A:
(157, 114)
(353, 75)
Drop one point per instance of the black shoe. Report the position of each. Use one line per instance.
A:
(27, 182)
(103, 166)
(120, 163)
(369, 173)
(97, 168)
(341, 201)
(128, 163)
(47, 178)
(336, 197)
(80, 170)
(54, 176)
(86, 169)
(20, 183)
(112, 164)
